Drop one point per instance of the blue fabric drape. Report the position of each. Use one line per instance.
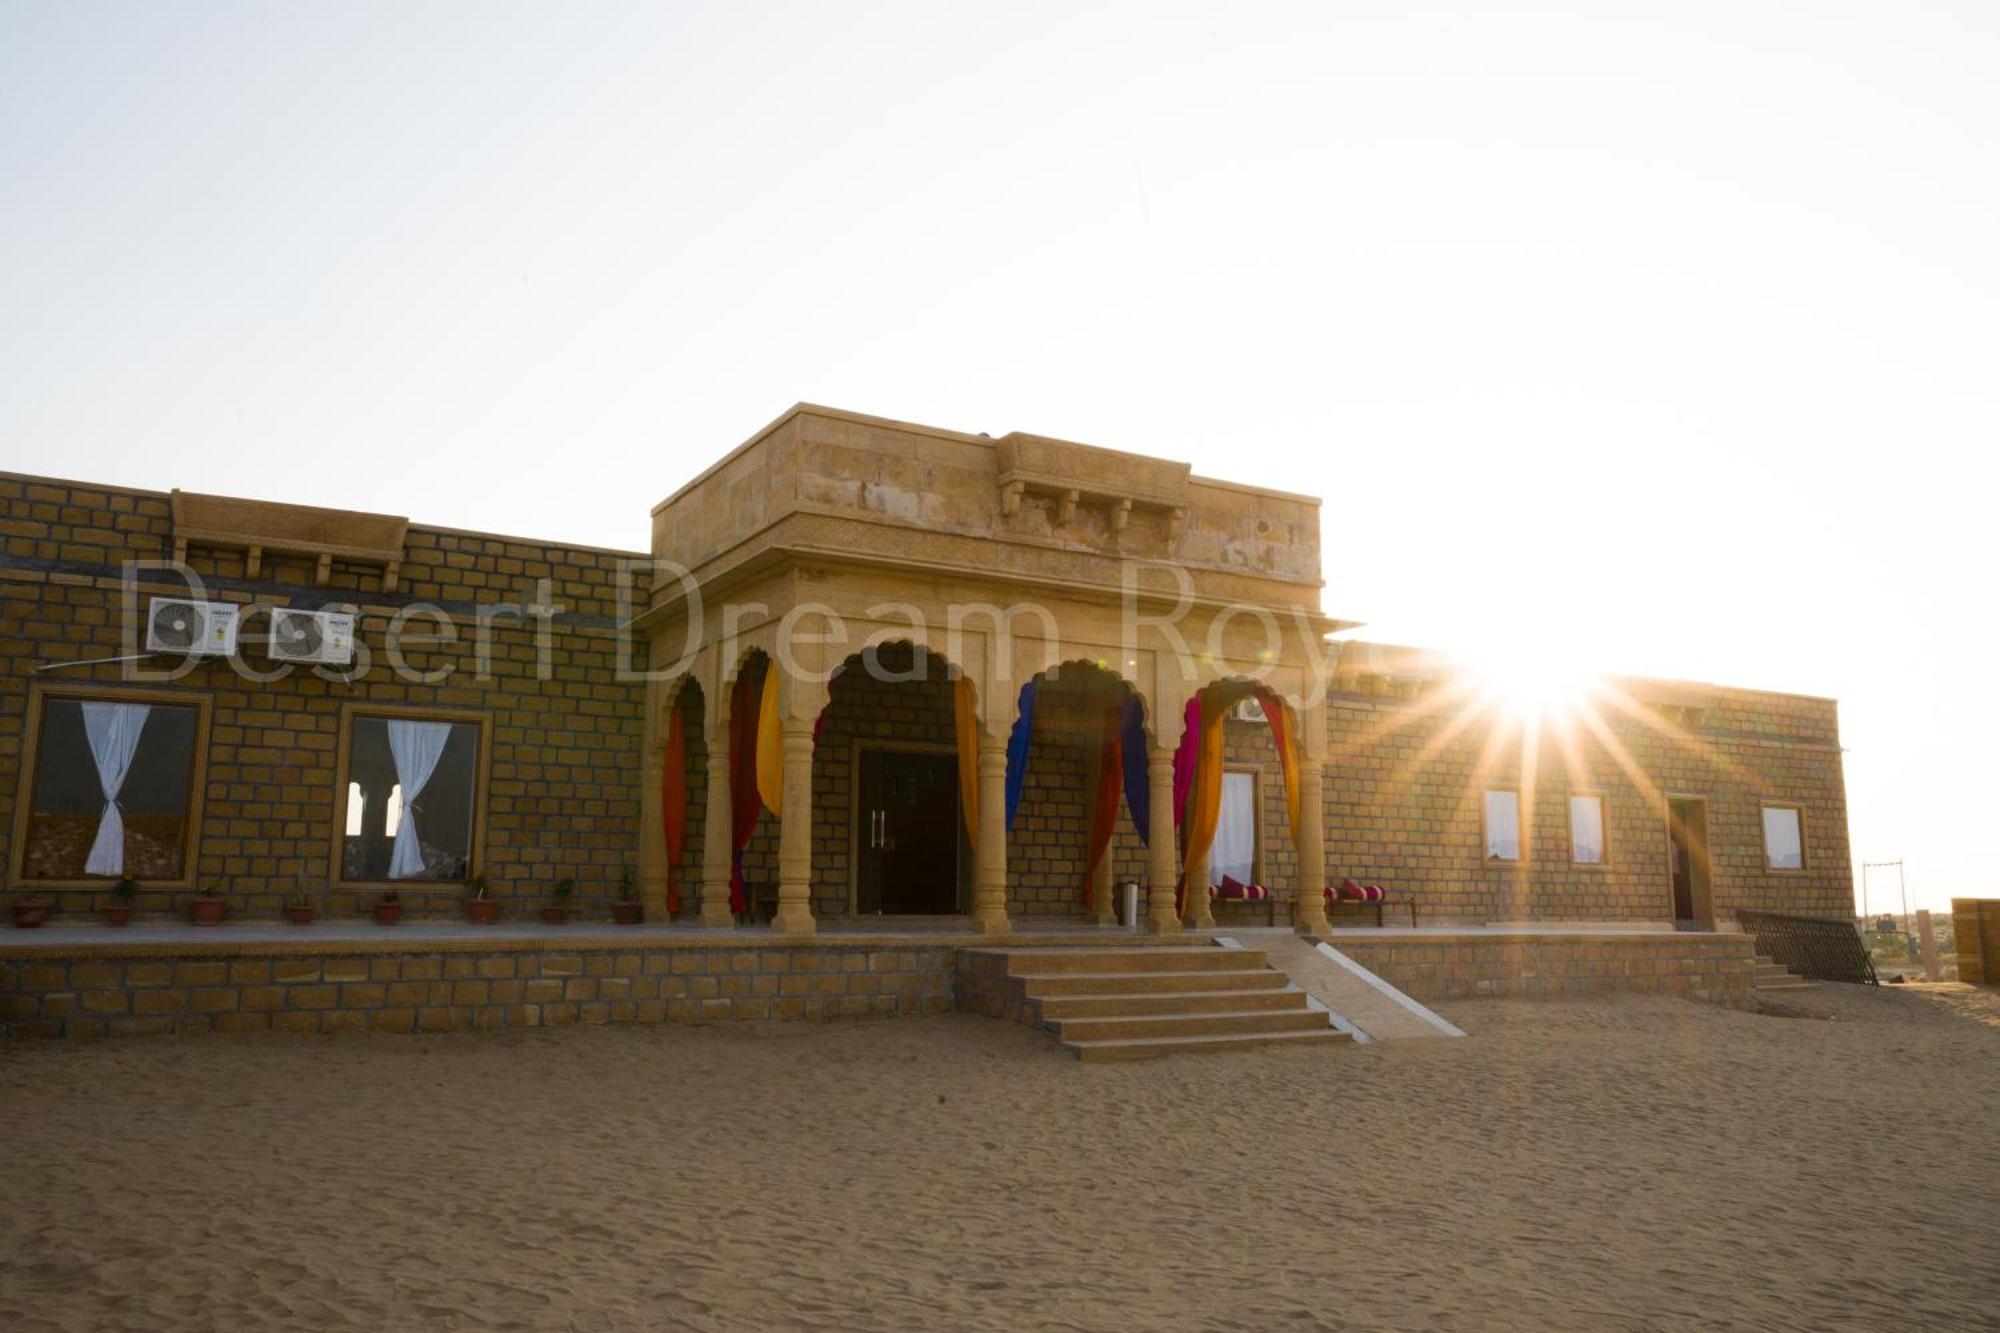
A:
(1017, 749)
(1132, 743)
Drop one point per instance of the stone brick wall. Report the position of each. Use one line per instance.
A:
(391, 987)
(1975, 929)
(563, 789)
(1406, 772)
(1711, 968)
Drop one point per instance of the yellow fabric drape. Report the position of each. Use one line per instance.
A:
(770, 745)
(1205, 797)
(1278, 713)
(966, 725)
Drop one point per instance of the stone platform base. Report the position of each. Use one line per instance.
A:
(1446, 965)
(387, 986)
(86, 983)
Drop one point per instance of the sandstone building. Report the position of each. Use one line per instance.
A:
(869, 672)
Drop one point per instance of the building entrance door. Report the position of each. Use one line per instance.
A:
(907, 834)
(1687, 843)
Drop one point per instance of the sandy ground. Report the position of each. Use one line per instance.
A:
(1625, 1164)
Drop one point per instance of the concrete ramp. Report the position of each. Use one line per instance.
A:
(1356, 1000)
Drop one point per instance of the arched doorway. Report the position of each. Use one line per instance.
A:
(683, 799)
(1076, 767)
(891, 828)
(1236, 803)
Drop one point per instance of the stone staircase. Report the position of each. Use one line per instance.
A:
(1768, 976)
(1144, 1002)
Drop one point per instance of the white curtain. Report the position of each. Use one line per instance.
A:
(1234, 851)
(416, 747)
(113, 731)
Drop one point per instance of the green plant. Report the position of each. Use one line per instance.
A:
(212, 889)
(564, 888)
(391, 896)
(626, 882)
(300, 898)
(125, 890)
(476, 885)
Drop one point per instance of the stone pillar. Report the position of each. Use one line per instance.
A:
(795, 832)
(715, 835)
(1160, 917)
(989, 869)
(1309, 902)
(1200, 913)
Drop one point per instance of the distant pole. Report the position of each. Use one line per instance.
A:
(1924, 933)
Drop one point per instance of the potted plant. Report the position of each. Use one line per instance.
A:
(207, 905)
(118, 911)
(558, 911)
(299, 909)
(388, 909)
(481, 907)
(628, 910)
(30, 912)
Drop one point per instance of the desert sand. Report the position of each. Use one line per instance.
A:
(1618, 1164)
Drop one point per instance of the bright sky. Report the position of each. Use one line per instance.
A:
(1661, 338)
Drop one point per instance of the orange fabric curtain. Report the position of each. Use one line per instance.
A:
(673, 803)
(1104, 813)
(1278, 714)
(1205, 798)
(770, 745)
(965, 723)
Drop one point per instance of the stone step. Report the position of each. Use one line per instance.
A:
(1143, 1026)
(1153, 1048)
(1044, 962)
(1795, 983)
(1049, 985)
(1134, 1004)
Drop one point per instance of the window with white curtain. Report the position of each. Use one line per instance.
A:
(1503, 826)
(410, 797)
(1234, 851)
(1586, 830)
(1784, 847)
(114, 782)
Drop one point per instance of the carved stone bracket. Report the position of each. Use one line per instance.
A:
(259, 527)
(1070, 475)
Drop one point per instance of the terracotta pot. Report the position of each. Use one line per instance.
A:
(482, 911)
(299, 916)
(555, 916)
(628, 914)
(29, 914)
(118, 914)
(207, 911)
(388, 914)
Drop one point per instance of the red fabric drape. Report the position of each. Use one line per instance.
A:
(745, 703)
(673, 804)
(1104, 813)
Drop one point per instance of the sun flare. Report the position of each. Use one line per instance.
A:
(1534, 686)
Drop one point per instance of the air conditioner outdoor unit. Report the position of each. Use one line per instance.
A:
(1247, 710)
(199, 629)
(311, 636)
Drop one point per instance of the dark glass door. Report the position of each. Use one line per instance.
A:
(906, 816)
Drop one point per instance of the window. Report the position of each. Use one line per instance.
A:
(1586, 830)
(1503, 826)
(1784, 848)
(1234, 851)
(112, 786)
(411, 791)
